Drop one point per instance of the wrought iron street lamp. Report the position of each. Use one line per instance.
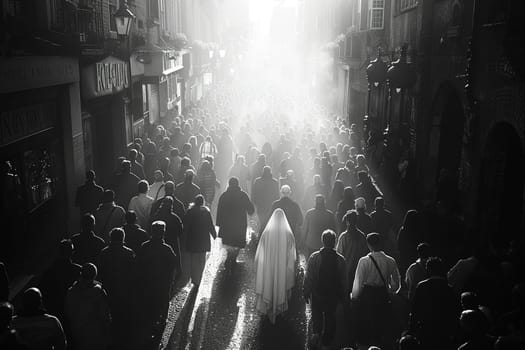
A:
(123, 19)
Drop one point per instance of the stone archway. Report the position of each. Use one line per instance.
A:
(442, 161)
(501, 186)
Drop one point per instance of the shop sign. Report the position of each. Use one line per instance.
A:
(25, 73)
(106, 77)
(23, 122)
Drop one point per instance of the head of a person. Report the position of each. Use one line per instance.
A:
(164, 163)
(167, 203)
(350, 218)
(360, 204)
(206, 165)
(435, 267)
(349, 165)
(328, 239)
(126, 166)
(361, 160)
(199, 200)
(90, 176)
(158, 229)
(166, 141)
(188, 176)
(320, 202)
(117, 235)
(143, 186)
(65, 249)
(193, 141)
(290, 174)
(410, 223)
(353, 152)
(89, 272)
(132, 155)
(334, 159)
(379, 203)
(469, 301)
(185, 162)
(32, 301)
(108, 196)
(233, 182)
(286, 191)
(317, 179)
(339, 188)
(409, 342)
(131, 217)
(363, 177)
(174, 153)
(87, 223)
(423, 251)
(348, 194)
(208, 138)
(186, 148)
(158, 176)
(6, 315)
(169, 188)
(267, 172)
(240, 160)
(374, 242)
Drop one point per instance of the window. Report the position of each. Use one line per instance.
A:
(376, 14)
(172, 88)
(112, 24)
(57, 14)
(406, 4)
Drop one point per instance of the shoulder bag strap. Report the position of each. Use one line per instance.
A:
(378, 270)
(107, 220)
(160, 188)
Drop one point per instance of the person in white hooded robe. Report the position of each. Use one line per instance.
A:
(275, 266)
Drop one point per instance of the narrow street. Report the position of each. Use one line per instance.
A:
(224, 317)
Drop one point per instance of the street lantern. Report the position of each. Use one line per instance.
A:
(222, 53)
(123, 19)
(401, 75)
(376, 72)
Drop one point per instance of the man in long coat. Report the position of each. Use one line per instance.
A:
(265, 191)
(233, 206)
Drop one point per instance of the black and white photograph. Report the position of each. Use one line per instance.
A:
(262, 174)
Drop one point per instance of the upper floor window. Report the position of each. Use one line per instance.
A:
(112, 10)
(376, 14)
(406, 4)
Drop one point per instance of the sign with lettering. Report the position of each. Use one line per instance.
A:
(23, 122)
(106, 77)
(25, 73)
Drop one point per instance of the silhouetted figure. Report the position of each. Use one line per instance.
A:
(364, 221)
(265, 191)
(156, 190)
(108, 215)
(178, 206)
(87, 245)
(89, 195)
(116, 268)
(435, 309)
(376, 277)
(87, 311)
(185, 164)
(198, 227)
(135, 235)
(38, 329)
(366, 188)
(187, 190)
(9, 338)
(136, 167)
(316, 221)
(324, 287)
(291, 210)
(473, 326)
(232, 209)
(336, 195)
(344, 205)
(141, 204)
(57, 279)
(408, 238)
(383, 223)
(173, 234)
(242, 172)
(256, 169)
(352, 246)
(317, 188)
(125, 185)
(417, 271)
(207, 181)
(156, 263)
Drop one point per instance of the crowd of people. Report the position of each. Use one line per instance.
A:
(310, 182)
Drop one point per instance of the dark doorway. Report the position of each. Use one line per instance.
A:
(444, 147)
(501, 186)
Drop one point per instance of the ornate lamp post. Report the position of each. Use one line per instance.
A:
(123, 19)
(376, 74)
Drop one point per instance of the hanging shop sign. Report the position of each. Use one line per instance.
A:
(106, 77)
